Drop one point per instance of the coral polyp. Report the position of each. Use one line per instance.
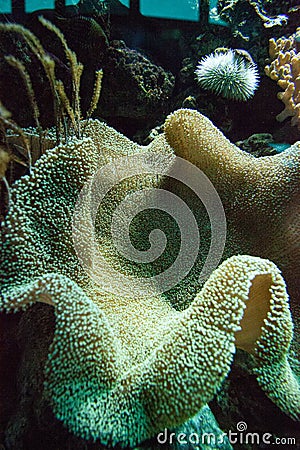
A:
(229, 73)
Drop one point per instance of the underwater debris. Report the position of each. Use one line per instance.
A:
(230, 73)
(285, 69)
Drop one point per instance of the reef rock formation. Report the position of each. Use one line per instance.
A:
(122, 368)
(137, 89)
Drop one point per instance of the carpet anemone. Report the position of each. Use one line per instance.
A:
(121, 369)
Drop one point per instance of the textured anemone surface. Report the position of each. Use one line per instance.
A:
(120, 369)
(285, 68)
(260, 195)
(229, 73)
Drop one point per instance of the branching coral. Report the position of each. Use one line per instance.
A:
(285, 69)
(121, 369)
(246, 17)
(230, 73)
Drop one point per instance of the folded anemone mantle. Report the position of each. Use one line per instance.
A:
(261, 196)
(121, 369)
